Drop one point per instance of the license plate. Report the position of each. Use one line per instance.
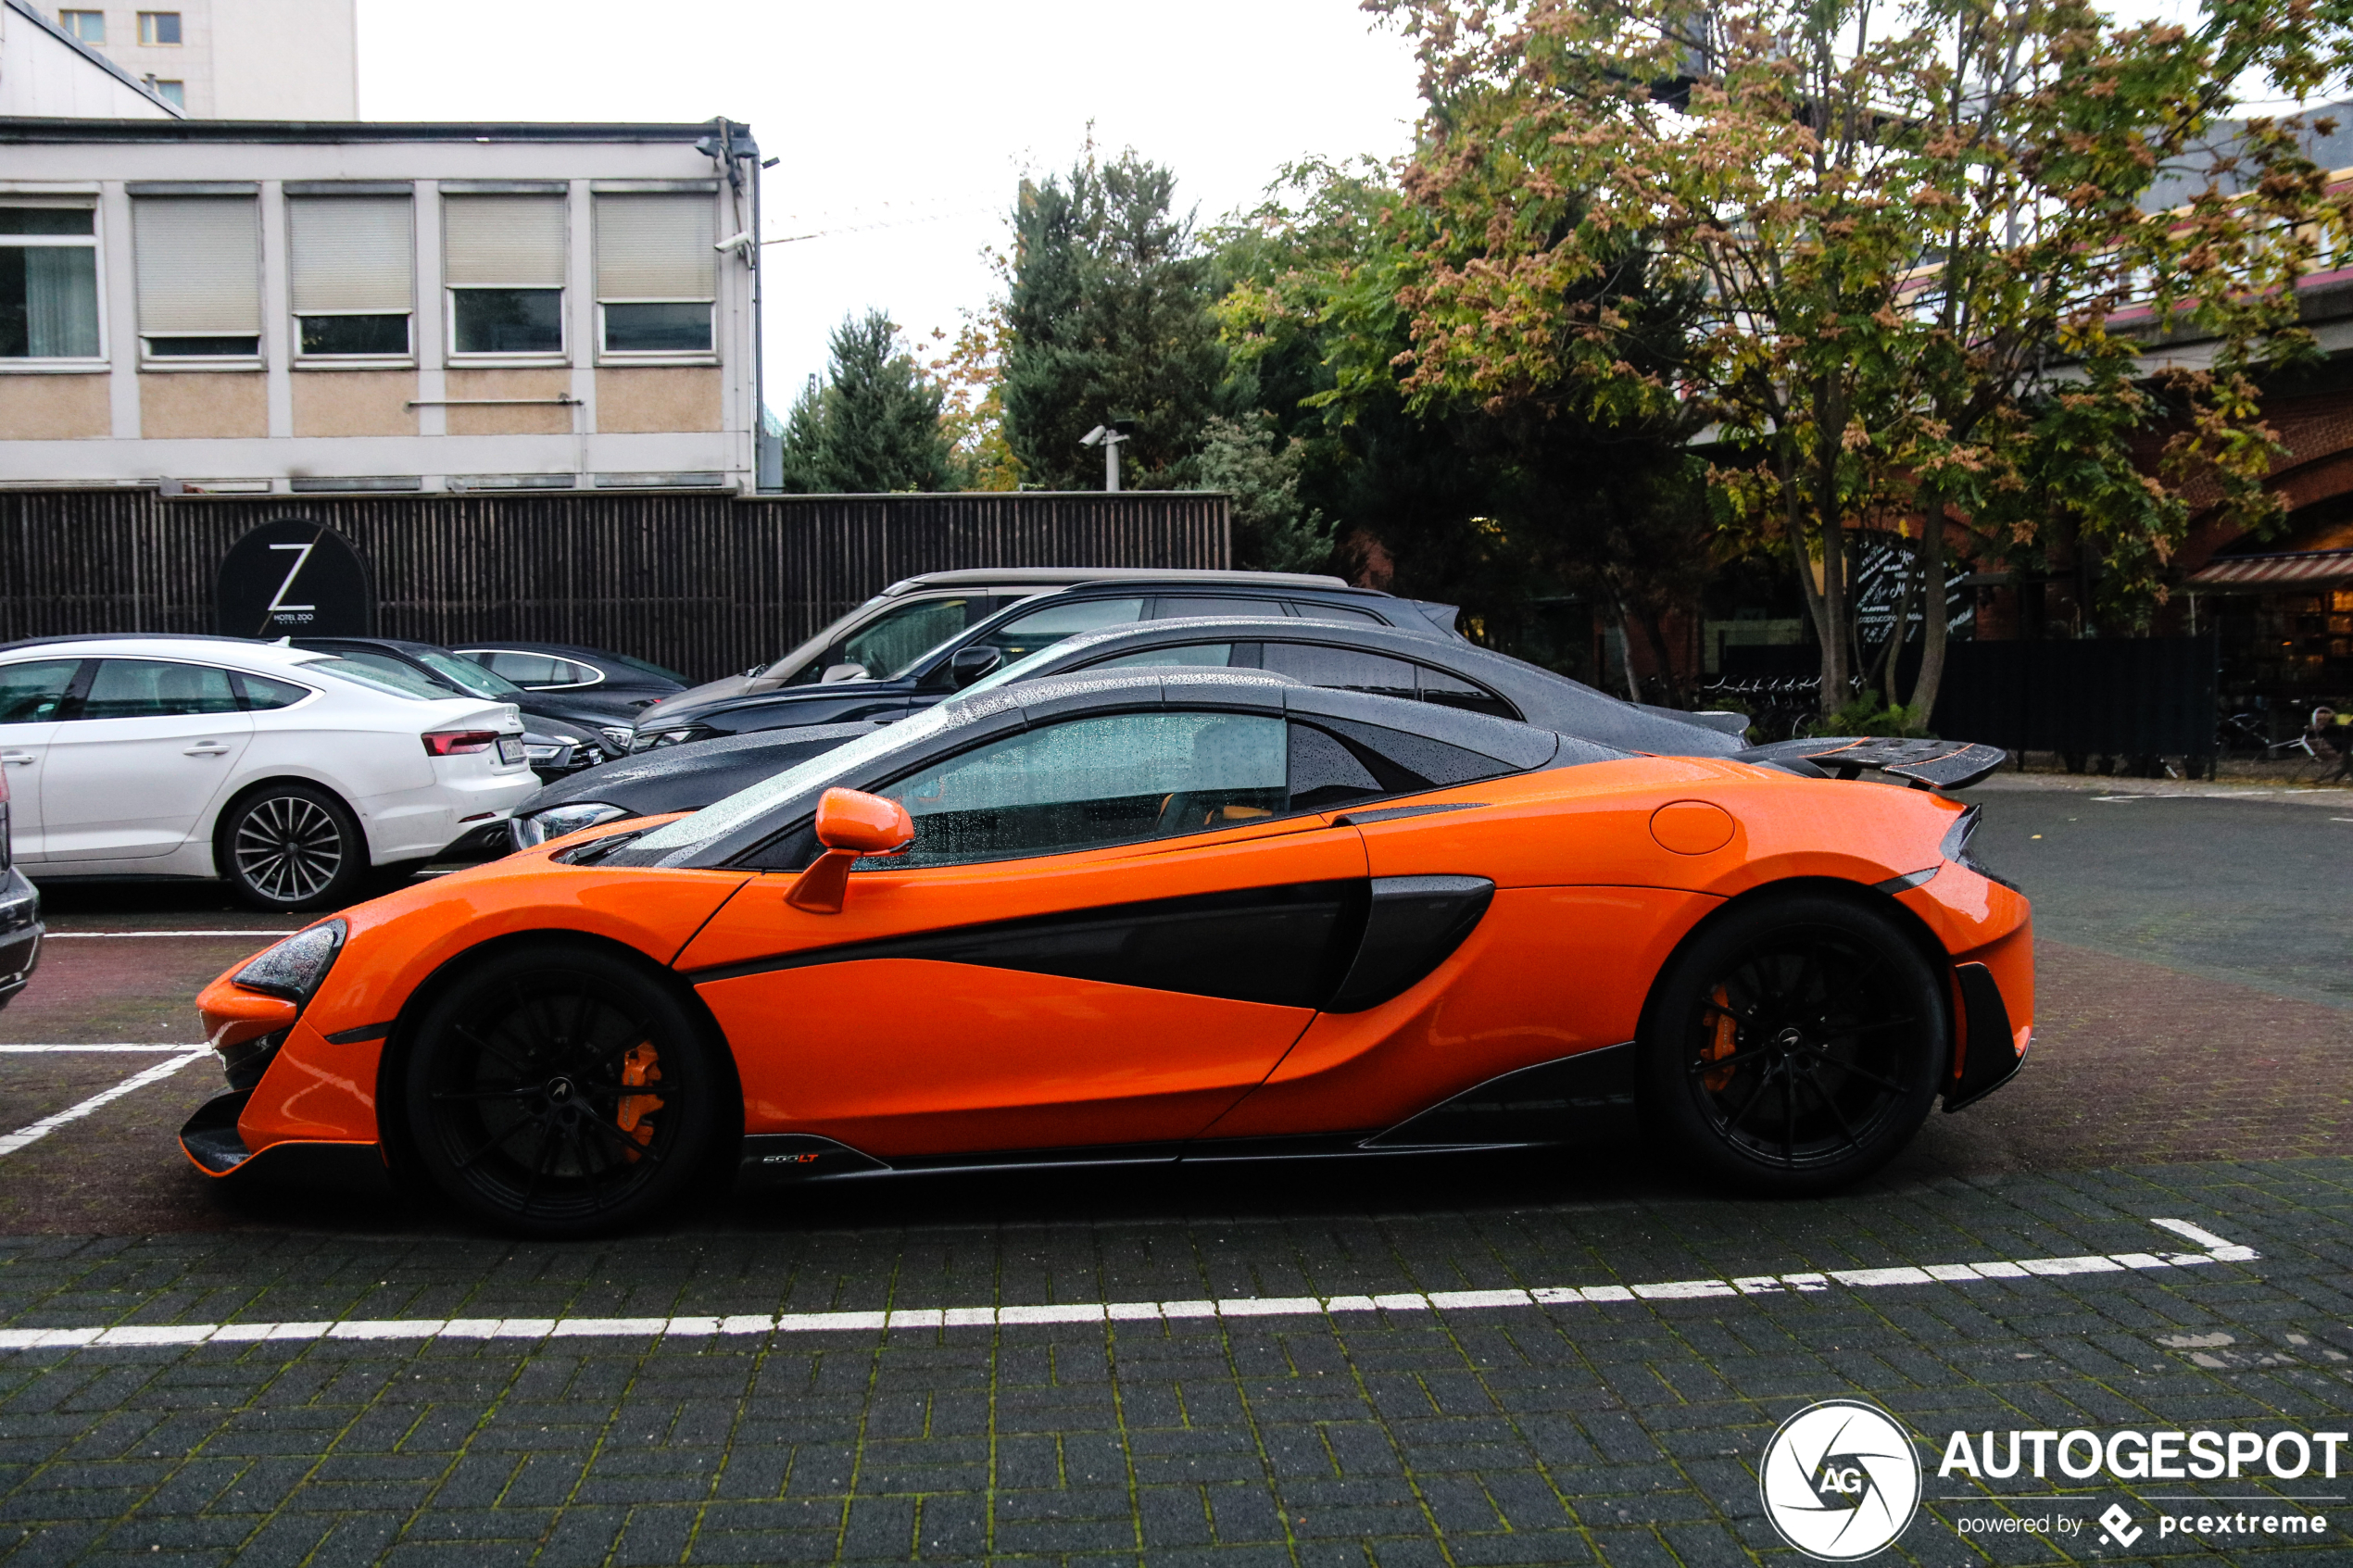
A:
(510, 748)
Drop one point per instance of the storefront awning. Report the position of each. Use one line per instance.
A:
(2275, 571)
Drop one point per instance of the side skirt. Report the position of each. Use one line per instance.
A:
(1588, 1094)
(1576, 1096)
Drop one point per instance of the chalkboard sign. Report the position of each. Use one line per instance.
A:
(295, 578)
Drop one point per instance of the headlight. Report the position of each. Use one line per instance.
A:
(548, 748)
(648, 740)
(294, 967)
(557, 820)
(622, 737)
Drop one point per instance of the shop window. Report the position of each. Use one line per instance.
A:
(48, 284)
(504, 263)
(199, 276)
(353, 269)
(657, 276)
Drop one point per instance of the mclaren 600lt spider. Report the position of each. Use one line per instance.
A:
(1152, 915)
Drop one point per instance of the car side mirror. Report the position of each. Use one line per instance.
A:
(849, 823)
(967, 665)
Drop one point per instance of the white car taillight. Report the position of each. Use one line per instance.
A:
(457, 743)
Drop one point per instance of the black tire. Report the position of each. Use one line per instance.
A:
(1795, 1044)
(558, 1091)
(290, 846)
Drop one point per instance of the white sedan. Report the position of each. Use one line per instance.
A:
(287, 772)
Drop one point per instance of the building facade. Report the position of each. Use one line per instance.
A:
(46, 72)
(206, 306)
(230, 59)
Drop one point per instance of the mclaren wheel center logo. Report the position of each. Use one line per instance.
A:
(1839, 1480)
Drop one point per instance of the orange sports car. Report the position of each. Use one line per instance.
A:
(1153, 915)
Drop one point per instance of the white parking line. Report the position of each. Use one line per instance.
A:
(2219, 1251)
(169, 1046)
(85, 935)
(48, 1124)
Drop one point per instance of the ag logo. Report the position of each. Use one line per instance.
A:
(1839, 1480)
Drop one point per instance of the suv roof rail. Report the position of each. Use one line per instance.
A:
(1048, 576)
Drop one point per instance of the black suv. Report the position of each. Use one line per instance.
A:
(889, 666)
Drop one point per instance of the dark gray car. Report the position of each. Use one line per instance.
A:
(1376, 659)
(1385, 662)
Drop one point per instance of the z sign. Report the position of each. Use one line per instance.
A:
(295, 578)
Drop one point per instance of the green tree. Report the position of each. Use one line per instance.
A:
(1500, 505)
(874, 426)
(1107, 316)
(1274, 529)
(1898, 235)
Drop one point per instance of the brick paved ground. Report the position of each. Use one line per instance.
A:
(2194, 1062)
(1625, 1434)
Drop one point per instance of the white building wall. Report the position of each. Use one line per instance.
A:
(241, 59)
(41, 74)
(284, 59)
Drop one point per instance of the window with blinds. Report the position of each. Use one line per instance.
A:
(657, 275)
(352, 267)
(198, 272)
(503, 261)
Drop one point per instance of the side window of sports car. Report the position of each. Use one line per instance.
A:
(1325, 774)
(1093, 782)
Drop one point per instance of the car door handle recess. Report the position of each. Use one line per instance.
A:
(17, 758)
(205, 748)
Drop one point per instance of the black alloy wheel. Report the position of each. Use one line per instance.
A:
(1796, 1044)
(559, 1091)
(292, 846)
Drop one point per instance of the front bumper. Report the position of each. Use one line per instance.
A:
(21, 932)
(210, 1140)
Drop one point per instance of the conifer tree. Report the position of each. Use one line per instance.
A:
(874, 426)
(1109, 320)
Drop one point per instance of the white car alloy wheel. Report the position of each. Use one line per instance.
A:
(288, 849)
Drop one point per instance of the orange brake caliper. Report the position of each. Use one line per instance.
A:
(1722, 1040)
(638, 1068)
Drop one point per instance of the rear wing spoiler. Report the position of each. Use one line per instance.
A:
(1927, 764)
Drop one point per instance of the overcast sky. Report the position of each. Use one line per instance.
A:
(925, 110)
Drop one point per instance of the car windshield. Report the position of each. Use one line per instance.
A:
(792, 663)
(469, 677)
(725, 816)
(386, 677)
